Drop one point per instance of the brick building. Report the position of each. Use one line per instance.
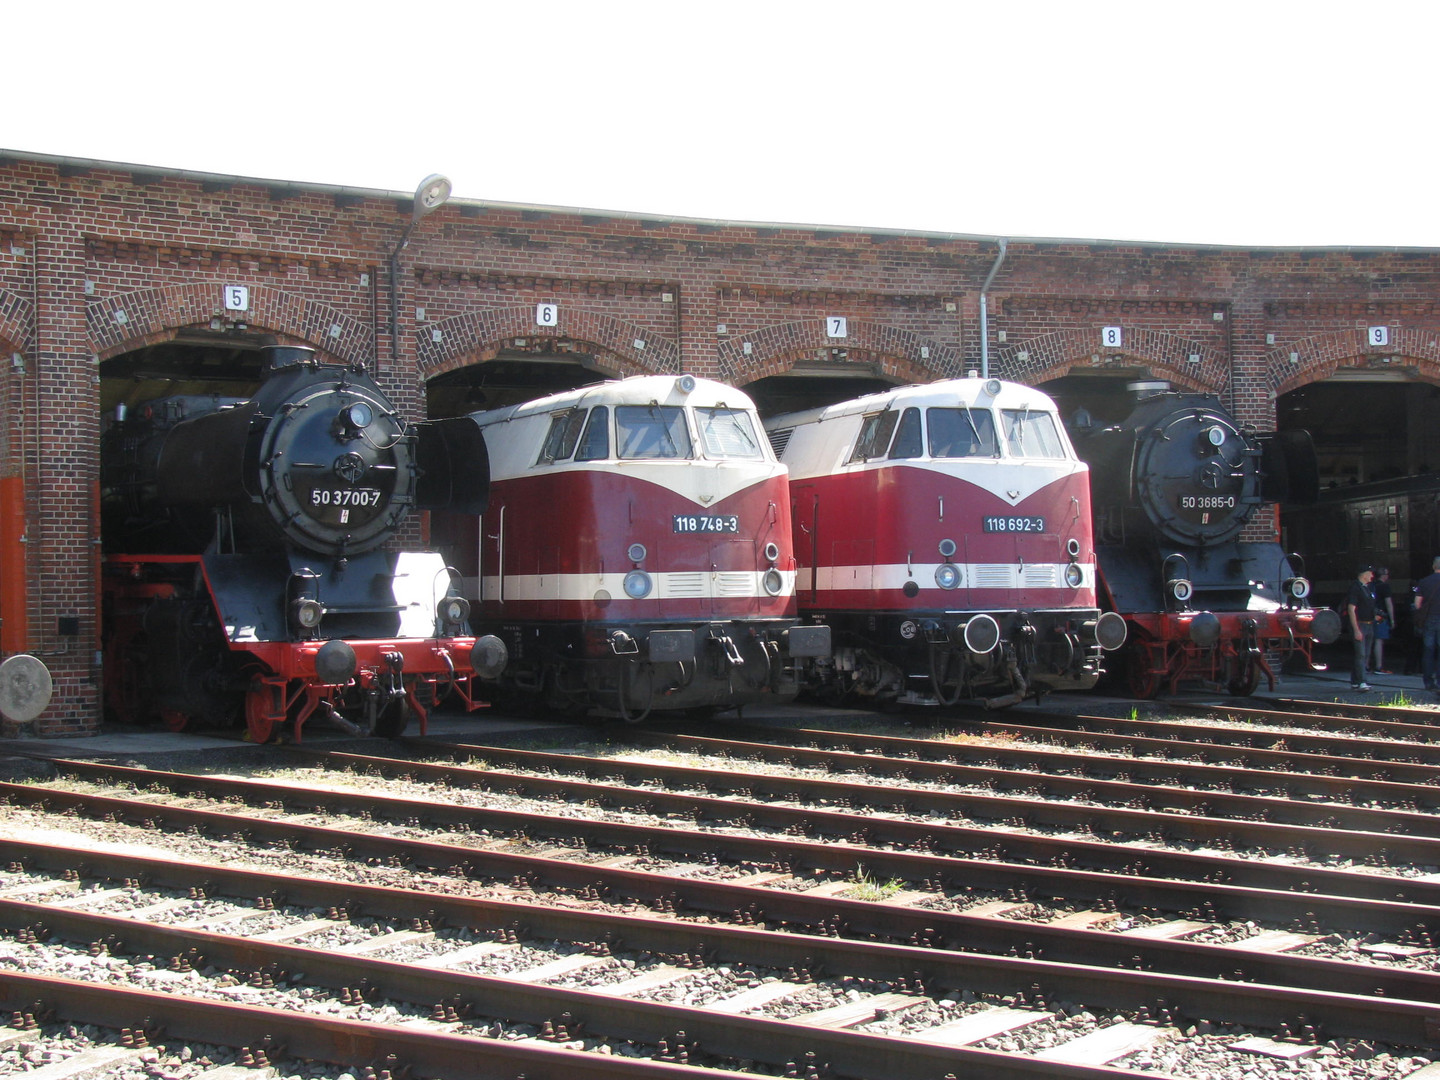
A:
(115, 278)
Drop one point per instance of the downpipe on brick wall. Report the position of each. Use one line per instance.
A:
(984, 313)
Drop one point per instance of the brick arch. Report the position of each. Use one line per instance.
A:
(1050, 356)
(776, 349)
(476, 336)
(1316, 358)
(17, 319)
(120, 323)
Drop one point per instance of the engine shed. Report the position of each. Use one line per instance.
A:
(120, 283)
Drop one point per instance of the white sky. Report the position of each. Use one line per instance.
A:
(1220, 122)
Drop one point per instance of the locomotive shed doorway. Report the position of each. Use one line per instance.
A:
(1378, 447)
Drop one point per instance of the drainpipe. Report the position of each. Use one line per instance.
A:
(984, 314)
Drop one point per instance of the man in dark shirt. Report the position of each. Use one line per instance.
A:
(1427, 623)
(1360, 619)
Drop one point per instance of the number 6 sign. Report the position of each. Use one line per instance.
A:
(547, 314)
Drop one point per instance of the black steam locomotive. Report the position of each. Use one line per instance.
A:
(1173, 486)
(244, 574)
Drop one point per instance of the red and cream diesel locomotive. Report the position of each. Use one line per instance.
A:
(636, 552)
(943, 534)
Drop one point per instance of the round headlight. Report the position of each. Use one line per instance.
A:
(454, 610)
(1074, 576)
(773, 581)
(1072, 548)
(636, 552)
(638, 584)
(1215, 435)
(359, 415)
(307, 613)
(1298, 588)
(947, 548)
(947, 576)
(1181, 589)
(772, 551)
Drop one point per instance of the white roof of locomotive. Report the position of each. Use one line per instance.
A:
(636, 390)
(942, 394)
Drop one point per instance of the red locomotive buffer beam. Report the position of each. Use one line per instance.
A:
(1229, 650)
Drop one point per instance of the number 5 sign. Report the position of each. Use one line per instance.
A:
(237, 298)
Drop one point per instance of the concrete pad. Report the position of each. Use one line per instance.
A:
(1105, 1045)
(979, 1026)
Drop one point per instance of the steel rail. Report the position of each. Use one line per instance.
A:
(1249, 887)
(820, 915)
(1027, 787)
(1409, 1021)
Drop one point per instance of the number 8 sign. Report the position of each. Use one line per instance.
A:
(1112, 337)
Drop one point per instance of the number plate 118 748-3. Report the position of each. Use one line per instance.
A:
(707, 523)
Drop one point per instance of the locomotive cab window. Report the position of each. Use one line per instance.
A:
(727, 433)
(875, 435)
(563, 434)
(961, 433)
(595, 445)
(1031, 434)
(909, 443)
(652, 432)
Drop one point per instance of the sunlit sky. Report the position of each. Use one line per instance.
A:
(1250, 124)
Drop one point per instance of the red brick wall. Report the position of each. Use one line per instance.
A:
(97, 260)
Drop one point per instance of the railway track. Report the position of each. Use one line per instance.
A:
(782, 902)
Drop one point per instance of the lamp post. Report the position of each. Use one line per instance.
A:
(432, 194)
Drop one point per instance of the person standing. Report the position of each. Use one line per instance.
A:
(1427, 623)
(1360, 617)
(1384, 618)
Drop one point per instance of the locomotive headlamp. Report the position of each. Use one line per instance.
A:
(947, 576)
(636, 553)
(1215, 435)
(947, 548)
(358, 415)
(1297, 588)
(638, 584)
(992, 386)
(773, 581)
(306, 614)
(1074, 576)
(1072, 548)
(1182, 589)
(685, 384)
(772, 551)
(454, 610)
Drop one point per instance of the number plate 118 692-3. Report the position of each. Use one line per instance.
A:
(1014, 524)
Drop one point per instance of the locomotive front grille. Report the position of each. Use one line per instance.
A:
(1039, 577)
(734, 584)
(684, 586)
(993, 576)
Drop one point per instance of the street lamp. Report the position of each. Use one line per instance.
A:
(432, 194)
